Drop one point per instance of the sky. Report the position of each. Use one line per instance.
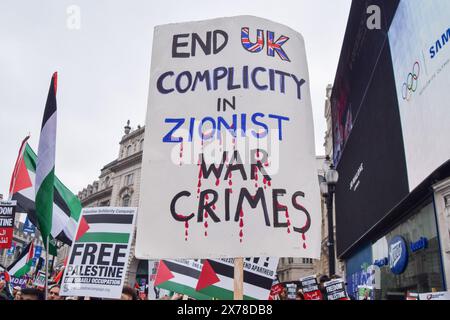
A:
(104, 69)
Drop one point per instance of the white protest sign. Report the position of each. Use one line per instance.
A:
(98, 258)
(39, 281)
(217, 278)
(444, 295)
(229, 149)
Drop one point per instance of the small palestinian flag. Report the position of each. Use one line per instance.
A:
(108, 227)
(180, 276)
(23, 263)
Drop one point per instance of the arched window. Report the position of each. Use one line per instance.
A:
(106, 182)
(128, 150)
(126, 201)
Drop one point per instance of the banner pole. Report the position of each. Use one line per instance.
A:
(46, 270)
(239, 279)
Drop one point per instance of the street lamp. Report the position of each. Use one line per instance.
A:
(327, 188)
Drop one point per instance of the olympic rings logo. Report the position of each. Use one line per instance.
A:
(411, 83)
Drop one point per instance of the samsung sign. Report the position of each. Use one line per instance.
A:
(398, 255)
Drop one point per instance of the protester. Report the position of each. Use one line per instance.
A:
(53, 293)
(283, 294)
(128, 293)
(15, 290)
(299, 295)
(5, 294)
(32, 294)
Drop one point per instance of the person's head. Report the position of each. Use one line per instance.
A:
(299, 295)
(53, 293)
(128, 293)
(322, 280)
(32, 294)
(16, 289)
(18, 295)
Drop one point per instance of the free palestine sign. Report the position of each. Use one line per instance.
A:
(229, 161)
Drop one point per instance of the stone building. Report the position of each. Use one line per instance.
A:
(118, 186)
(321, 266)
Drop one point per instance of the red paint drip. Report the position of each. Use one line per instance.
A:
(256, 185)
(206, 233)
(199, 184)
(303, 237)
(241, 223)
(217, 182)
(269, 183)
(304, 246)
(241, 213)
(266, 164)
(186, 233)
(257, 153)
(214, 206)
(206, 224)
(241, 234)
(206, 197)
(230, 183)
(181, 153)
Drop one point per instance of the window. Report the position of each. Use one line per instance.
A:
(106, 182)
(141, 145)
(290, 260)
(128, 150)
(129, 179)
(307, 261)
(126, 201)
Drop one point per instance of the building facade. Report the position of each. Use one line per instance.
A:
(118, 186)
(392, 225)
(321, 266)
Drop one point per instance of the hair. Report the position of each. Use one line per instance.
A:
(33, 292)
(54, 286)
(324, 278)
(129, 291)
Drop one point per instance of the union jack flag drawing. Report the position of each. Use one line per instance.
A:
(251, 46)
(273, 47)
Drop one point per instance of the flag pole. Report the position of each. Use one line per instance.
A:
(238, 279)
(46, 269)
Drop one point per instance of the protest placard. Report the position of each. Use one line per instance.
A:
(7, 215)
(310, 288)
(229, 124)
(98, 258)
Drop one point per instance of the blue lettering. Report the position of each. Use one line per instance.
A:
(266, 128)
(201, 77)
(159, 83)
(231, 128)
(257, 85)
(280, 130)
(188, 76)
(168, 137)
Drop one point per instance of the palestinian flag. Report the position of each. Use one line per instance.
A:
(259, 274)
(180, 276)
(108, 227)
(5, 273)
(22, 265)
(66, 206)
(45, 167)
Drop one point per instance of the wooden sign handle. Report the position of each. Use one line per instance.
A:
(239, 279)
